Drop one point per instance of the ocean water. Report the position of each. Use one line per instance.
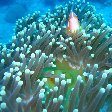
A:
(12, 10)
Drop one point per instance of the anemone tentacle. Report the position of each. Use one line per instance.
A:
(46, 68)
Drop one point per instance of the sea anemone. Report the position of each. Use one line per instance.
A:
(45, 69)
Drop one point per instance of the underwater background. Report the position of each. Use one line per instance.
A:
(12, 10)
(55, 55)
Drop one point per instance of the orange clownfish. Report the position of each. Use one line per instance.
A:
(73, 23)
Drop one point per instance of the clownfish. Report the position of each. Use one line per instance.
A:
(73, 23)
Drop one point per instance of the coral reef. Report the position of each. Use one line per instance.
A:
(45, 69)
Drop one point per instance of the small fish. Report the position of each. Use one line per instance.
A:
(73, 23)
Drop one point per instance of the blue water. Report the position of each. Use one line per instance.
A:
(12, 10)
